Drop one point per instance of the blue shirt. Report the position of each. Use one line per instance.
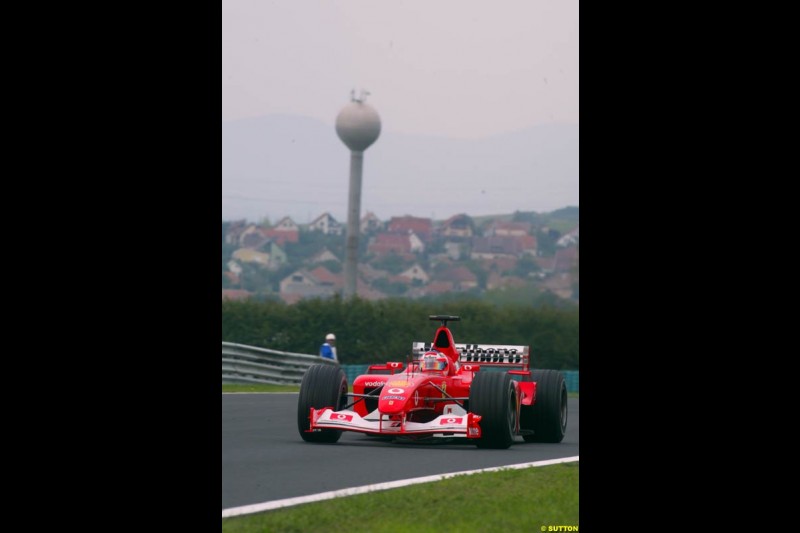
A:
(327, 352)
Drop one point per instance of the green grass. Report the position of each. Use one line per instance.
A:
(509, 500)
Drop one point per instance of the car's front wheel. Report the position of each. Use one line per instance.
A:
(494, 398)
(322, 386)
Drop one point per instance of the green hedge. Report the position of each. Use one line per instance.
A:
(373, 332)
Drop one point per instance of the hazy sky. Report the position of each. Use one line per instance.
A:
(465, 69)
(458, 68)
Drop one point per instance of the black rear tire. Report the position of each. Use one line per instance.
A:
(493, 397)
(547, 417)
(322, 386)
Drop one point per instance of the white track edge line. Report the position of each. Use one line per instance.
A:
(352, 491)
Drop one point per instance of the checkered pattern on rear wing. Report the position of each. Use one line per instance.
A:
(490, 354)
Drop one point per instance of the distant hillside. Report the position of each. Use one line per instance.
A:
(281, 165)
(562, 220)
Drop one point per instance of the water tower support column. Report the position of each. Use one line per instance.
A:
(353, 215)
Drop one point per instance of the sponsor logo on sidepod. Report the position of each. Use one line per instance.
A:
(373, 383)
(396, 391)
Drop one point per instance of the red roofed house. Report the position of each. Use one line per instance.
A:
(528, 244)
(493, 247)
(320, 283)
(422, 227)
(399, 243)
(327, 278)
(235, 294)
(565, 259)
(508, 229)
(461, 277)
(284, 231)
(307, 284)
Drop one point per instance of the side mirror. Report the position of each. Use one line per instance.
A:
(470, 368)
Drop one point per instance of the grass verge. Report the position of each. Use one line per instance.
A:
(509, 500)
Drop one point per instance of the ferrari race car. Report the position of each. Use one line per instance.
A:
(486, 393)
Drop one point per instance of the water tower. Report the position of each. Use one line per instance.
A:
(358, 126)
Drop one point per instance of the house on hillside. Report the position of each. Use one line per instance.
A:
(456, 251)
(268, 255)
(236, 294)
(415, 273)
(303, 284)
(252, 236)
(569, 238)
(322, 256)
(370, 223)
(499, 265)
(461, 277)
(235, 229)
(565, 259)
(528, 244)
(503, 246)
(326, 224)
(494, 247)
(320, 283)
(369, 273)
(284, 231)
(248, 255)
(507, 229)
(457, 226)
(421, 227)
(398, 243)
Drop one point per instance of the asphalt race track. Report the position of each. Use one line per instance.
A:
(264, 458)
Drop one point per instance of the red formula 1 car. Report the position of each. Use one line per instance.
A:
(446, 390)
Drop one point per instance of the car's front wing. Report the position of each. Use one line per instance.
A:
(447, 425)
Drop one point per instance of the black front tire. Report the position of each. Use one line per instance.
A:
(494, 398)
(322, 386)
(547, 417)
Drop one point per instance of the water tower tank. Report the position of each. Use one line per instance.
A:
(358, 126)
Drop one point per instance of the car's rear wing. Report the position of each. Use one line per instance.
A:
(484, 354)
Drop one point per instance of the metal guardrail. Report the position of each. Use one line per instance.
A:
(248, 364)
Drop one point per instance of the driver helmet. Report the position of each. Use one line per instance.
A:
(434, 361)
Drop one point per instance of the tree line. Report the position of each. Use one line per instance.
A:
(380, 331)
